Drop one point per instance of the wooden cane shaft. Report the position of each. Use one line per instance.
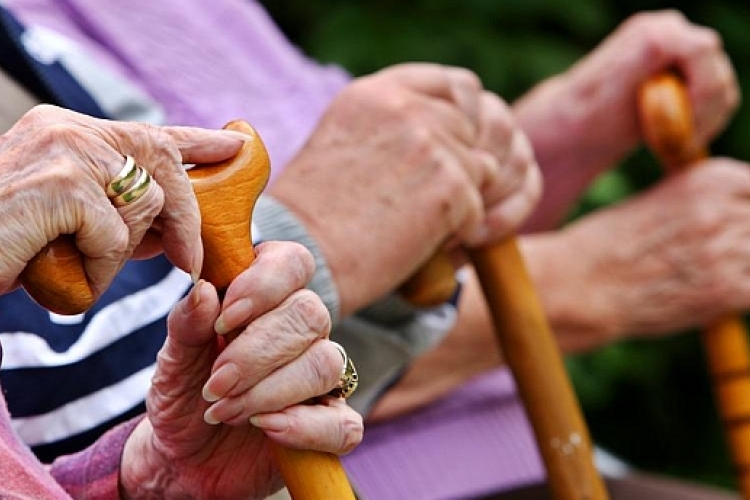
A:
(532, 354)
(667, 122)
(226, 194)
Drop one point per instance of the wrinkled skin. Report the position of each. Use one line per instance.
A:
(585, 120)
(197, 440)
(410, 177)
(670, 259)
(55, 184)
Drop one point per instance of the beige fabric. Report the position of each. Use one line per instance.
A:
(14, 102)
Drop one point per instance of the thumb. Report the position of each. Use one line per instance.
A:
(191, 334)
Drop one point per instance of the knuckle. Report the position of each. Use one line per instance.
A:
(465, 78)
(352, 431)
(325, 365)
(310, 314)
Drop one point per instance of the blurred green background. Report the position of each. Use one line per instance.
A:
(650, 402)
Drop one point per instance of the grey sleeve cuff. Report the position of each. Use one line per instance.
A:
(272, 221)
(384, 339)
(381, 339)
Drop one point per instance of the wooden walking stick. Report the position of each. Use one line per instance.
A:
(667, 123)
(226, 193)
(532, 354)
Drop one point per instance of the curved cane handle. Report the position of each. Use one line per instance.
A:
(226, 194)
(433, 284)
(668, 128)
(55, 278)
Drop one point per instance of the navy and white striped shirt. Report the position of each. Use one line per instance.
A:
(68, 379)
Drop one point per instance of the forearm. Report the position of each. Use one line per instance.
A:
(578, 306)
(562, 118)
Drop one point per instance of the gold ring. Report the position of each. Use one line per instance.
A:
(348, 380)
(124, 179)
(129, 185)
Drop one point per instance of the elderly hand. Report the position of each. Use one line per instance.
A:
(269, 375)
(403, 160)
(585, 120)
(55, 170)
(680, 259)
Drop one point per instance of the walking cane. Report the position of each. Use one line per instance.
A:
(667, 122)
(226, 193)
(532, 354)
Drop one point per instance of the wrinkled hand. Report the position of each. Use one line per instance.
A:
(672, 258)
(401, 161)
(647, 44)
(585, 120)
(279, 361)
(54, 167)
(678, 259)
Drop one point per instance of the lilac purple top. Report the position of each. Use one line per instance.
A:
(217, 61)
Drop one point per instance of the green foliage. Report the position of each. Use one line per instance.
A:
(650, 402)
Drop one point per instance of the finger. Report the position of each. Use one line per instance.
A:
(512, 175)
(190, 322)
(457, 85)
(185, 359)
(508, 215)
(314, 373)
(331, 426)
(496, 126)
(712, 84)
(158, 151)
(279, 269)
(281, 335)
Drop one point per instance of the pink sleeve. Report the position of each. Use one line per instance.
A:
(94, 472)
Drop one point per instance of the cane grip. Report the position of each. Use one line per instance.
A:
(55, 278)
(667, 123)
(227, 193)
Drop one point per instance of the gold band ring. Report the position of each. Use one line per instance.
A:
(129, 185)
(348, 380)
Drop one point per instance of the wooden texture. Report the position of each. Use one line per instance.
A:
(533, 355)
(667, 122)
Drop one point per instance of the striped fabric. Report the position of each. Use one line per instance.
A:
(69, 379)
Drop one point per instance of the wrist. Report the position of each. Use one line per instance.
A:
(141, 476)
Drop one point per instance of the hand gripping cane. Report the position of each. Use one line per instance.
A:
(532, 354)
(667, 123)
(226, 193)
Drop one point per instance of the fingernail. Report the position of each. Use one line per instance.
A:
(194, 299)
(221, 382)
(276, 422)
(234, 134)
(209, 418)
(197, 267)
(234, 315)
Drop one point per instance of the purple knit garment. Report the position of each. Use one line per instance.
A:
(212, 62)
(224, 59)
(474, 441)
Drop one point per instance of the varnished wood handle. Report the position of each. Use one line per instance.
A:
(226, 193)
(668, 127)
